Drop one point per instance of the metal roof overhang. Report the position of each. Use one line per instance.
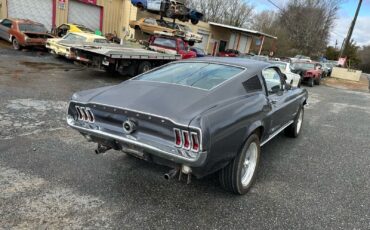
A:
(242, 30)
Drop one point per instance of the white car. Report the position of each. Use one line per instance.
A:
(292, 78)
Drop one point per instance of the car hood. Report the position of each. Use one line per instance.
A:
(179, 103)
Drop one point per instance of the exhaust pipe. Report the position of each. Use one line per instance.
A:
(102, 149)
(171, 174)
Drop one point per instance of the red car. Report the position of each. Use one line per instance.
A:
(23, 33)
(229, 53)
(171, 45)
(310, 72)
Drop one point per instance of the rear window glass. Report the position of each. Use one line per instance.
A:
(165, 42)
(32, 28)
(198, 75)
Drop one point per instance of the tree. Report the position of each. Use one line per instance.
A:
(332, 53)
(308, 23)
(232, 12)
(351, 52)
(364, 55)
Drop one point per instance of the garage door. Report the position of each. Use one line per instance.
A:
(84, 14)
(243, 43)
(28, 9)
(204, 43)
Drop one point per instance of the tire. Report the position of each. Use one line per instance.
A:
(194, 21)
(144, 67)
(191, 43)
(295, 128)
(310, 82)
(233, 177)
(16, 45)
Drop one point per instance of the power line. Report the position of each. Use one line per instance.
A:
(273, 3)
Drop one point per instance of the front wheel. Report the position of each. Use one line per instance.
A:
(16, 45)
(240, 174)
(194, 21)
(294, 129)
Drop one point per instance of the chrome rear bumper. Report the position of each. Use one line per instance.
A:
(172, 154)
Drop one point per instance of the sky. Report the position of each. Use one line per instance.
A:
(361, 33)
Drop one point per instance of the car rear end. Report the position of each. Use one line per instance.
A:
(143, 135)
(35, 39)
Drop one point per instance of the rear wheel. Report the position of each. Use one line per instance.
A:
(144, 67)
(294, 129)
(240, 174)
(310, 82)
(16, 44)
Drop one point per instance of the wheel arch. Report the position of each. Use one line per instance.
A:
(257, 127)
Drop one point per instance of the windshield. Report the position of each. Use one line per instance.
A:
(199, 75)
(32, 28)
(303, 66)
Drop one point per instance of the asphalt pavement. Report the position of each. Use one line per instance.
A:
(51, 178)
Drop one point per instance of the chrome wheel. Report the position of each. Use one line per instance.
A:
(146, 68)
(249, 164)
(16, 44)
(299, 121)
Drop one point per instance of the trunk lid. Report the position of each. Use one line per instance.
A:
(178, 103)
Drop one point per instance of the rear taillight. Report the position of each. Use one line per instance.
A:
(186, 140)
(178, 138)
(185, 134)
(195, 142)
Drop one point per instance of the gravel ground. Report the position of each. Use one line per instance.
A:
(50, 177)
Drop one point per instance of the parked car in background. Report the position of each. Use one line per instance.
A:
(64, 29)
(292, 78)
(200, 52)
(152, 26)
(171, 45)
(310, 72)
(229, 53)
(327, 68)
(189, 35)
(301, 58)
(62, 46)
(198, 117)
(23, 33)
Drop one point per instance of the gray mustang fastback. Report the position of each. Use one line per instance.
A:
(197, 116)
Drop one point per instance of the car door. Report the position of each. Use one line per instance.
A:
(282, 100)
(5, 26)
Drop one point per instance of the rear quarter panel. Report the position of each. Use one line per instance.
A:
(227, 126)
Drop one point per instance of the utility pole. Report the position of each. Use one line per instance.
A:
(350, 31)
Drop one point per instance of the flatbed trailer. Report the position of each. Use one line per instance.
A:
(127, 59)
